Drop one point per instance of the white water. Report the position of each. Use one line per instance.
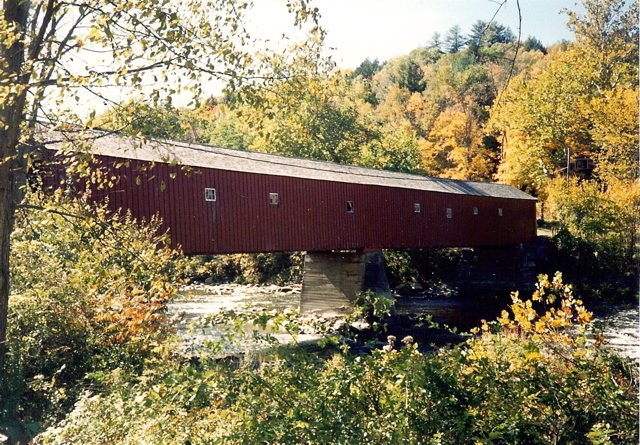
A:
(622, 332)
(196, 301)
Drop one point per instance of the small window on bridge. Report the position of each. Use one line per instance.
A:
(416, 207)
(449, 212)
(500, 211)
(209, 194)
(350, 208)
(273, 199)
(475, 210)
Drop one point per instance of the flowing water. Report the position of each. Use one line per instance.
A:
(621, 328)
(196, 301)
(621, 331)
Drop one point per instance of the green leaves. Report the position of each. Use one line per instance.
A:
(503, 386)
(89, 296)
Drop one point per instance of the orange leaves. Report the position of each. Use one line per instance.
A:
(133, 316)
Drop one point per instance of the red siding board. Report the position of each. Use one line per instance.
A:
(311, 215)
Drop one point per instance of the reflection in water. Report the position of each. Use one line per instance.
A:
(621, 328)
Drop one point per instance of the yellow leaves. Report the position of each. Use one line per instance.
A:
(584, 316)
(557, 323)
(504, 318)
(454, 146)
(469, 370)
(301, 424)
(603, 215)
(95, 34)
(553, 326)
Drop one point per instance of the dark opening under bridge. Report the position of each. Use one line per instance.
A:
(215, 200)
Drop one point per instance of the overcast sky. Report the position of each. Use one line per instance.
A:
(385, 29)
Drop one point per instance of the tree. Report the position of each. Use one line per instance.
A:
(393, 150)
(435, 41)
(533, 44)
(55, 54)
(408, 74)
(454, 41)
(484, 35)
(576, 103)
(456, 78)
(161, 121)
(607, 37)
(581, 101)
(544, 123)
(605, 217)
(454, 148)
(227, 129)
(614, 132)
(368, 68)
(309, 112)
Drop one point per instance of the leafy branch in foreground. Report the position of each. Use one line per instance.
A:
(89, 296)
(57, 56)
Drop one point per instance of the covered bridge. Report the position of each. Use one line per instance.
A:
(216, 200)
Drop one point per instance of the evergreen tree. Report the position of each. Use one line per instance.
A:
(368, 68)
(533, 44)
(435, 42)
(454, 41)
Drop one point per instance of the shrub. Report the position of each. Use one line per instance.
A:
(88, 296)
(256, 268)
(598, 275)
(531, 377)
(421, 266)
(598, 242)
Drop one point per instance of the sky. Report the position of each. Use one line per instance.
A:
(385, 29)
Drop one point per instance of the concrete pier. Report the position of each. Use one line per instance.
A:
(333, 280)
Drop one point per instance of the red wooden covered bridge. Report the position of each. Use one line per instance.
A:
(216, 200)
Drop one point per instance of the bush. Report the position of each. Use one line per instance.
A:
(598, 275)
(597, 244)
(428, 266)
(89, 291)
(256, 268)
(531, 377)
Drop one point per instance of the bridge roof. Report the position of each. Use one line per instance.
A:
(205, 156)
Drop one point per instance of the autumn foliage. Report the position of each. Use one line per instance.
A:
(89, 295)
(88, 356)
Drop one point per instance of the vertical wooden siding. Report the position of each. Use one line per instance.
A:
(311, 215)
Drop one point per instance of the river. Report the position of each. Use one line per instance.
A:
(621, 328)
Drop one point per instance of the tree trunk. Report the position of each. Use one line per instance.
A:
(15, 12)
(6, 226)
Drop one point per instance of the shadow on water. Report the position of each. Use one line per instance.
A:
(463, 314)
